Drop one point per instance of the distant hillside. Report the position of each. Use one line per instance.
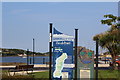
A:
(16, 52)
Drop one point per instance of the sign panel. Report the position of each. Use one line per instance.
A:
(62, 54)
(85, 64)
(85, 74)
(64, 75)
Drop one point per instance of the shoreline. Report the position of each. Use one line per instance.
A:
(11, 63)
(16, 63)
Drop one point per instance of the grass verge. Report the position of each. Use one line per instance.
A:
(103, 75)
(109, 74)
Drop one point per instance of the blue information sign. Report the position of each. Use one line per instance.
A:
(62, 56)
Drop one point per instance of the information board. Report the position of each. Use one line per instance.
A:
(62, 55)
(85, 65)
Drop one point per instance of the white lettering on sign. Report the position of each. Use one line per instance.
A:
(63, 42)
(69, 65)
(50, 38)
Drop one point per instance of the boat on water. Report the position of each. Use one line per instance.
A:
(23, 55)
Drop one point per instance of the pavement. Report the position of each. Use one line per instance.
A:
(37, 68)
(102, 65)
(36, 65)
(44, 67)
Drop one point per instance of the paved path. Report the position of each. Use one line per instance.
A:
(102, 65)
(40, 68)
(36, 65)
(46, 66)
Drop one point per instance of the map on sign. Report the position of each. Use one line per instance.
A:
(59, 65)
(62, 56)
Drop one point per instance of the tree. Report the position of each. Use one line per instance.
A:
(111, 38)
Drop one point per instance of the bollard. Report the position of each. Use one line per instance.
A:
(30, 60)
(43, 60)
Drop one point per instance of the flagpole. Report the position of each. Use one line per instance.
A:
(76, 43)
(50, 52)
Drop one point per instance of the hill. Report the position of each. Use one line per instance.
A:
(17, 52)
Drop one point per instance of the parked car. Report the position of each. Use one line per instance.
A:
(118, 61)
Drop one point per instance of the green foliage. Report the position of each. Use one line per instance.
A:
(112, 19)
(111, 38)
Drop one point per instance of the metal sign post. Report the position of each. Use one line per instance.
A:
(50, 53)
(96, 59)
(76, 43)
(33, 50)
(27, 56)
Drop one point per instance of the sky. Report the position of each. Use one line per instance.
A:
(23, 21)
